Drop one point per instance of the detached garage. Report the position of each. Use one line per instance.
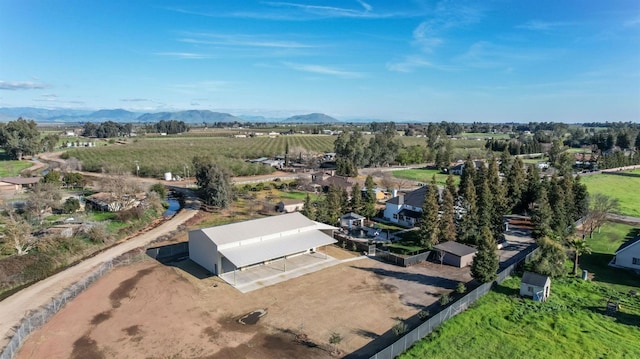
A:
(241, 245)
(456, 254)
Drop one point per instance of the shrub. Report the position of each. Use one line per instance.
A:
(445, 299)
(424, 314)
(461, 288)
(160, 189)
(400, 328)
(71, 205)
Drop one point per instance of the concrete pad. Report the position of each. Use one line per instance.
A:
(277, 271)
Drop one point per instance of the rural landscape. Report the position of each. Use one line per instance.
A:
(359, 179)
(546, 198)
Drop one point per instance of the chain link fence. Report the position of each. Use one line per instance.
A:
(457, 307)
(35, 319)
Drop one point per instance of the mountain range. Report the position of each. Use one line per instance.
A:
(119, 115)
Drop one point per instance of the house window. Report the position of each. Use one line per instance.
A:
(395, 216)
(530, 289)
(636, 261)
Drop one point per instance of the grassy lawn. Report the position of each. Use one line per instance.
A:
(409, 244)
(12, 168)
(603, 246)
(424, 175)
(571, 324)
(619, 185)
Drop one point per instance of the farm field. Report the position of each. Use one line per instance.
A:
(497, 136)
(571, 324)
(12, 168)
(170, 154)
(424, 175)
(619, 185)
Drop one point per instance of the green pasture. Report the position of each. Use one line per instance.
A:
(495, 136)
(424, 175)
(604, 244)
(624, 186)
(571, 324)
(12, 168)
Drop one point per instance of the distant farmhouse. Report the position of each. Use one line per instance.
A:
(628, 255)
(238, 246)
(17, 183)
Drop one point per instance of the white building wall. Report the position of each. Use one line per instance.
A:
(625, 257)
(390, 210)
(203, 251)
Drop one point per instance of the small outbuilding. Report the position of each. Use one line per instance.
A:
(535, 285)
(290, 205)
(628, 255)
(352, 220)
(456, 254)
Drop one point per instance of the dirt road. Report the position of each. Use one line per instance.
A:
(14, 308)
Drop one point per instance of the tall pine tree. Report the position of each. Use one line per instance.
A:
(429, 220)
(485, 264)
(500, 205)
(541, 215)
(446, 222)
(516, 184)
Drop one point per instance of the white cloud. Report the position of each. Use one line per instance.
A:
(323, 70)
(22, 85)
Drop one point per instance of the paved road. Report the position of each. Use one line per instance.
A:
(12, 309)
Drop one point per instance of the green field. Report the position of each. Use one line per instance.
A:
(571, 324)
(424, 175)
(624, 186)
(170, 154)
(13, 168)
(495, 136)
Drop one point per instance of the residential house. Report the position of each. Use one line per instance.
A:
(18, 183)
(536, 286)
(352, 220)
(628, 255)
(406, 209)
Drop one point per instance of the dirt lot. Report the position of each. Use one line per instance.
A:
(149, 310)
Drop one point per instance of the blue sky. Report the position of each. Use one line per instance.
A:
(569, 61)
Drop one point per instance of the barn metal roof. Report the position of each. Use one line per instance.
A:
(258, 252)
(455, 248)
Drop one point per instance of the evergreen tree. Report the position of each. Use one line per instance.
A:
(532, 185)
(370, 201)
(500, 206)
(429, 222)
(307, 209)
(505, 162)
(446, 222)
(638, 142)
(467, 225)
(550, 258)
(485, 204)
(557, 200)
(486, 262)
(515, 184)
(451, 185)
(541, 215)
(356, 198)
(213, 182)
(581, 198)
(468, 175)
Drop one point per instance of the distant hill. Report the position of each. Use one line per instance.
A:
(120, 114)
(191, 116)
(312, 118)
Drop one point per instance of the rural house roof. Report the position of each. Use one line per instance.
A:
(628, 244)
(352, 215)
(20, 180)
(414, 198)
(535, 279)
(455, 248)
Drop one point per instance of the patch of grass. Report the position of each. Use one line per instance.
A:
(617, 185)
(603, 246)
(571, 324)
(501, 136)
(101, 216)
(13, 168)
(292, 195)
(424, 175)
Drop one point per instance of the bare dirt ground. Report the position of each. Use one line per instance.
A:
(149, 310)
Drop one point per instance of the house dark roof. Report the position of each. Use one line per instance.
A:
(409, 213)
(414, 198)
(352, 215)
(534, 279)
(20, 180)
(628, 244)
(455, 248)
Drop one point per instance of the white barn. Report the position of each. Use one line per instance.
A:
(236, 246)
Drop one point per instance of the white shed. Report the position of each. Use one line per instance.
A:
(535, 285)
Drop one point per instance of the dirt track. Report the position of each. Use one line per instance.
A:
(13, 308)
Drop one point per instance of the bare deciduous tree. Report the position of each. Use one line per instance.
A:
(17, 234)
(121, 192)
(42, 198)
